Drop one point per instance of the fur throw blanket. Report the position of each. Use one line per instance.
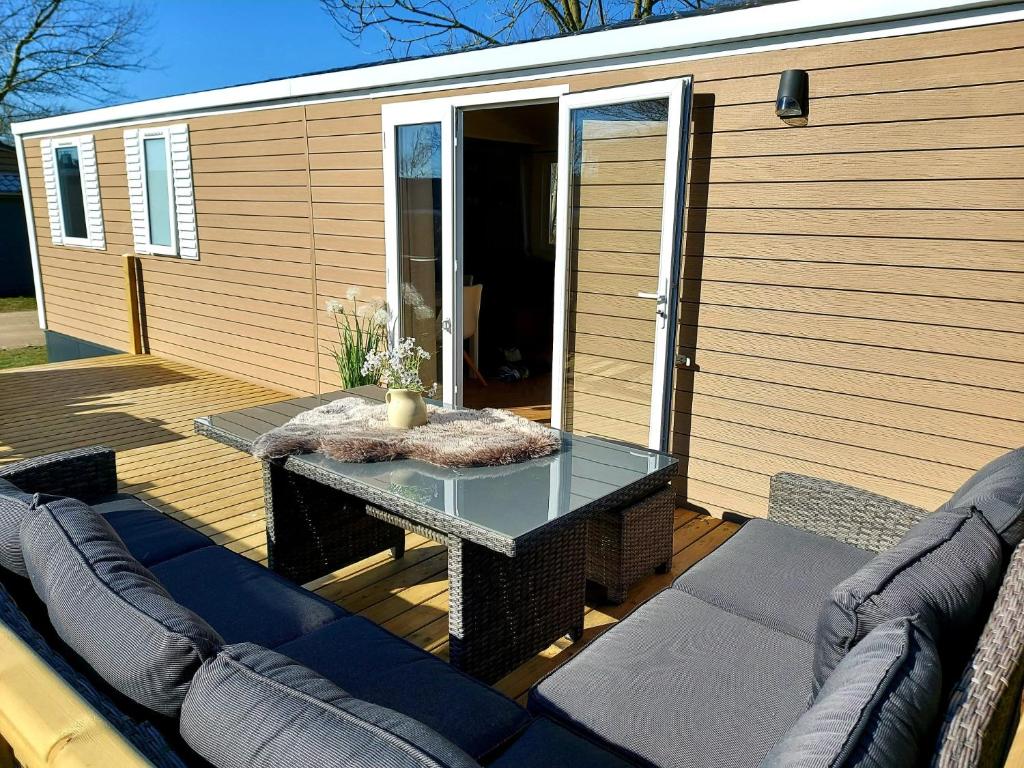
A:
(355, 430)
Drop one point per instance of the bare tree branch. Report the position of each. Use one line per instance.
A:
(54, 51)
(408, 27)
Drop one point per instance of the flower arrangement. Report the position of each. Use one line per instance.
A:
(362, 331)
(398, 366)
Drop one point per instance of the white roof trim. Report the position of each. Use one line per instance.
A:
(667, 38)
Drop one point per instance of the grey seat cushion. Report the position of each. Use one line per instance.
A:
(377, 666)
(997, 489)
(947, 567)
(545, 744)
(877, 709)
(775, 574)
(109, 609)
(248, 603)
(14, 505)
(683, 683)
(250, 707)
(151, 536)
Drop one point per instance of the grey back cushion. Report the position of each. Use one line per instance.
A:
(14, 505)
(109, 608)
(949, 564)
(877, 709)
(250, 707)
(997, 489)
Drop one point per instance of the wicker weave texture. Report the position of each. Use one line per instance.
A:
(86, 474)
(978, 725)
(851, 515)
(627, 544)
(504, 610)
(313, 529)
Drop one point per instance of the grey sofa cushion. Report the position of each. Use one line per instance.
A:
(683, 683)
(250, 707)
(548, 745)
(948, 566)
(997, 489)
(151, 536)
(380, 667)
(775, 574)
(252, 604)
(109, 609)
(14, 505)
(876, 709)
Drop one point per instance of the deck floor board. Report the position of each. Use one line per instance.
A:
(143, 408)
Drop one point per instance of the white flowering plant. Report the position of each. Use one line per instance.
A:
(362, 331)
(398, 367)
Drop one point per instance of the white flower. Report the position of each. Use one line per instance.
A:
(381, 316)
(398, 367)
(334, 307)
(352, 293)
(422, 312)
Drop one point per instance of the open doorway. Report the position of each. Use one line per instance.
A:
(508, 178)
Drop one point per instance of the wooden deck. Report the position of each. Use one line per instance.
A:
(143, 408)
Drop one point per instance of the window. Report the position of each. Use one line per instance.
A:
(156, 163)
(159, 165)
(72, 197)
(73, 192)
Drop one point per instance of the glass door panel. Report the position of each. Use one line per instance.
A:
(618, 237)
(419, 212)
(419, 143)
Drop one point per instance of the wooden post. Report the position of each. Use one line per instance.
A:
(131, 287)
(6, 755)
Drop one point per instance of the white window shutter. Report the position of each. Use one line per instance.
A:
(184, 198)
(50, 183)
(91, 190)
(136, 195)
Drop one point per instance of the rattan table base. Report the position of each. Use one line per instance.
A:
(626, 544)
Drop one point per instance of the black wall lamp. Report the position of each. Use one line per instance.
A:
(792, 99)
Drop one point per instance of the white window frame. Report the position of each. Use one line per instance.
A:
(67, 240)
(165, 134)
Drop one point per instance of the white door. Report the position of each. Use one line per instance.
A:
(420, 148)
(621, 160)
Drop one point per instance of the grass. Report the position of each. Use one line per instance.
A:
(17, 304)
(18, 358)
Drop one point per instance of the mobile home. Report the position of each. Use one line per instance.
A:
(615, 228)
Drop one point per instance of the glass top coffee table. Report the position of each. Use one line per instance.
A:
(516, 534)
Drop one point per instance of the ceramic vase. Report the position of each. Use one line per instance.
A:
(406, 408)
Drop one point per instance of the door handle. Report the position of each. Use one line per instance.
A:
(658, 297)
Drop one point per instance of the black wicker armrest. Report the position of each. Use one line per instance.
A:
(842, 512)
(83, 473)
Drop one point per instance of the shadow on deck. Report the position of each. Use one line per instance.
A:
(143, 407)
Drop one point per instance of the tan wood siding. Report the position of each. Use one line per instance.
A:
(245, 308)
(347, 188)
(852, 292)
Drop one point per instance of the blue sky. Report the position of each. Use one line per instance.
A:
(200, 44)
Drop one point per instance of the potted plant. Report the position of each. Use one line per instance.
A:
(398, 369)
(361, 330)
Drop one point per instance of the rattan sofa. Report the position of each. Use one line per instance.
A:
(711, 672)
(244, 603)
(719, 669)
